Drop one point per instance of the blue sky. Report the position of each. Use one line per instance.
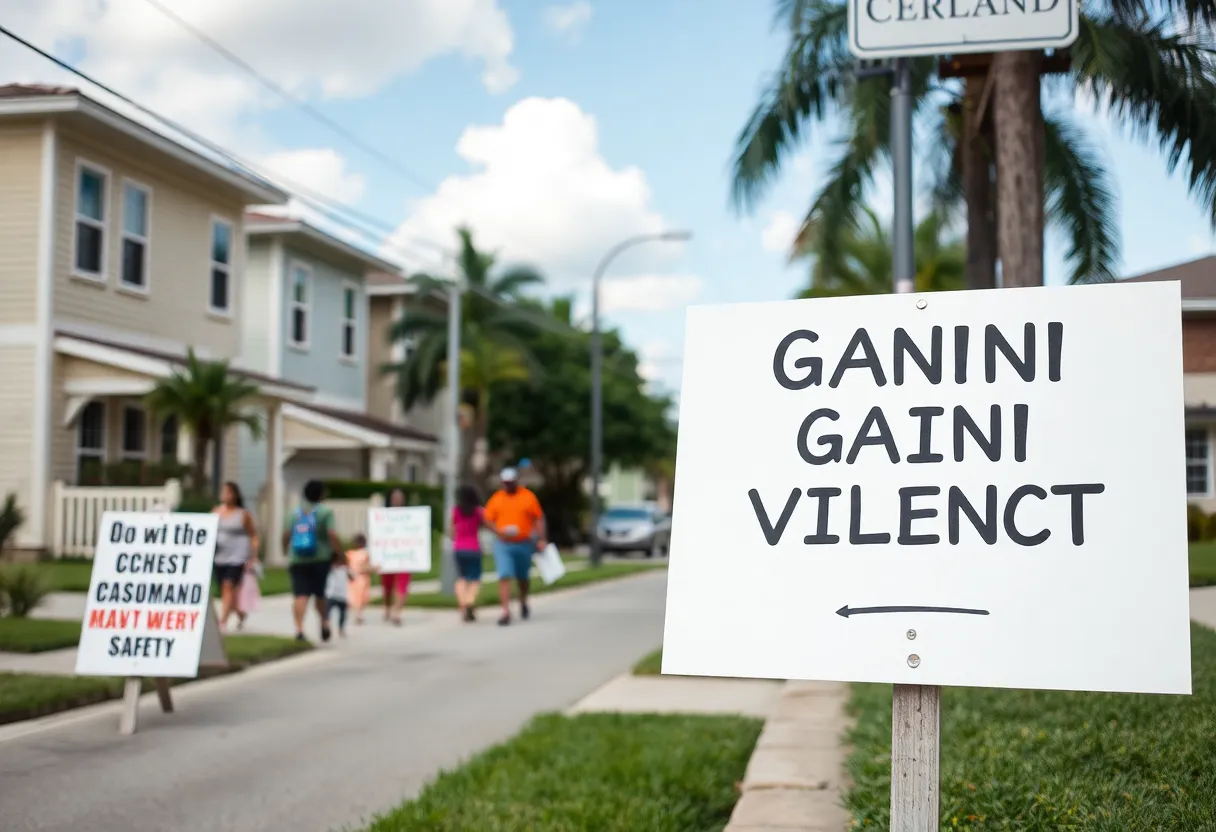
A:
(554, 129)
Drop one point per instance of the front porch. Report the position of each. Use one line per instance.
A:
(104, 440)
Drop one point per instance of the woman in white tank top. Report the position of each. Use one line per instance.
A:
(236, 550)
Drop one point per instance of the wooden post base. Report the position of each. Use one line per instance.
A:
(128, 721)
(915, 737)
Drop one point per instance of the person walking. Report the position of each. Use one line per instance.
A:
(310, 538)
(337, 588)
(236, 551)
(360, 566)
(395, 585)
(516, 517)
(468, 517)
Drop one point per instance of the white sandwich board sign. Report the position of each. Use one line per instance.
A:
(963, 488)
(149, 602)
(894, 28)
(399, 539)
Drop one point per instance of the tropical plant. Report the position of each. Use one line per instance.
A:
(11, 518)
(861, 262)
(492, 349)
(23, 588)
(1157, 76)
(207, 399)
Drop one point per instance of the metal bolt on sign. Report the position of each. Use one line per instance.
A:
(913, 660)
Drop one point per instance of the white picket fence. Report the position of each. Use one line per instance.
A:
(77, 510)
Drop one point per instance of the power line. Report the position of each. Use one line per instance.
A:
(287, 96)
(324, 205)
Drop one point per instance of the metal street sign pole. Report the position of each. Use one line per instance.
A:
(447, 560)
(916, 709)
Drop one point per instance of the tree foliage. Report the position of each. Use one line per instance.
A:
(548, 419)
(1151, 63)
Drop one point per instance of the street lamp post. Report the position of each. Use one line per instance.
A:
(597, 360)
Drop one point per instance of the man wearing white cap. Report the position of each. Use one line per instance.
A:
(517, 519)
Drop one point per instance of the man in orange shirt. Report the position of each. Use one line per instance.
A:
(516, 517)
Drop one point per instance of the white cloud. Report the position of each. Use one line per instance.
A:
(540, 193)
(313, 48)
(649, 292)
(661, 366)
(778, 234)
(568, 20)
(322, 170)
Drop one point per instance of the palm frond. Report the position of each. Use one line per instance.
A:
(807, 84)
(1080, 201)
(1161, 85)
(510, 283)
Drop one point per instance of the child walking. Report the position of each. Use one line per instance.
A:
(359, 563)
(336, 590)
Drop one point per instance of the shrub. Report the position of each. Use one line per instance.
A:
(416, 494)
(200, 502)
(1200, 525)
(22, 589)
(11, 518)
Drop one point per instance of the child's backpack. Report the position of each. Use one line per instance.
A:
(304, 534)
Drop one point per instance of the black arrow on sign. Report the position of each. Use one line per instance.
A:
(846, 612)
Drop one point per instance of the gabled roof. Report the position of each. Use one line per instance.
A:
(370, 423)
(258, 223)
(49, 100)
(1198, 278)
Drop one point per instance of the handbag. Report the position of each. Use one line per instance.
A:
(249, 595)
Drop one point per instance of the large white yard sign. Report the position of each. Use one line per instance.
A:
(147, 612)
(399, 539)
(890, 28)
(965, 488)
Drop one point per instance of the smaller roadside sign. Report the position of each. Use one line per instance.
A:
(147, 609)
(905, 28)
(399, 539)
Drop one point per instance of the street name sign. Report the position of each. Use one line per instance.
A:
(895, 28)
(149, 607)
(399, 539)
(955, 488)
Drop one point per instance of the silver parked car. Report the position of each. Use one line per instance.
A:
(635, 528)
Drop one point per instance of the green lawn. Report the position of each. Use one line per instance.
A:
(650, 665)
(607, 772)
(73, 576)
(488, 596)
(1045, 760)
(37, 635)
(30, 695)
(1203, 564)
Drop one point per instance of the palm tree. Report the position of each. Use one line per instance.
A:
(206, 400)
(861, 262)
(1159, 79)
(491, 349)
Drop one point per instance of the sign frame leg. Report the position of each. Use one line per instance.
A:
(129, 720)
(163, 694)
(916, 718)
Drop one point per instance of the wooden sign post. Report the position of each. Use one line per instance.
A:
(916, 494)
(149, 612)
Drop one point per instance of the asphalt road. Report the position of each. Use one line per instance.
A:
(326, 741)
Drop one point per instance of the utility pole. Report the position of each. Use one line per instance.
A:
(904, 271)
(447, 564)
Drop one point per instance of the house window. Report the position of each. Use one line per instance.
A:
(92, 187)
(350, 320)
(134, 433)
(411, 472)
(90, 443)
(1198, 462)
(301, 278)
(135, 201)
(168, 439)
(221, 266)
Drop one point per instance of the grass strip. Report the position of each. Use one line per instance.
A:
(607, 772)
(1203, 564)
(37, 635)
(488, 596)
(31, 695)
(650, 665)
(1039, 760)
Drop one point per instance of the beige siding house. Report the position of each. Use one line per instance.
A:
(118, 250)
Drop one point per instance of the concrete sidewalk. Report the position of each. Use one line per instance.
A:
(1203, 606)
(683, 695)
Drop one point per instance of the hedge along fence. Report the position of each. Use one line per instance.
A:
(1200, 526)
(416, 494)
